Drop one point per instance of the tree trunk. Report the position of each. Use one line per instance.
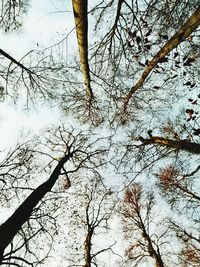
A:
(192, 23)
(13, 224)
(81, 21)
(178, 144)
(87, 248)
(153, 253)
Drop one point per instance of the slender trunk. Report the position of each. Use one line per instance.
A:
(178, 144)
(81, 21)
(153, 253)
(158, 259)
(192, 23)
(14, 223)
(87, 248)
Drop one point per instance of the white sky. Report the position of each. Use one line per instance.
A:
(41, 27)
(45, 28)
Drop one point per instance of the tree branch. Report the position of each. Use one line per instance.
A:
(177, 144)
(3, 53)
(191, 24)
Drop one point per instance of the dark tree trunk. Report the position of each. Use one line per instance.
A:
(178, 144)
(14, 223)
(87, 247)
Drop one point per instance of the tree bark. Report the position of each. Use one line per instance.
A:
(191, 24)
(81, 21)
(87, 247)
(152, 252)
(177, 144)
(14, 223)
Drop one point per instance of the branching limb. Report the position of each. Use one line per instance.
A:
(185, 31)
(177, 144)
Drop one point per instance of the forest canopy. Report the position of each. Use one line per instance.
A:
(115, 180)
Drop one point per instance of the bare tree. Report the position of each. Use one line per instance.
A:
(122, 51)
(98, 213)
(73, 148)
(89, 223)
(191, 24)
(138, 219)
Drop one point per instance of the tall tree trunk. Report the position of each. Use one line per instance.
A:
(81, 21)
(13, 224)
(192, 23)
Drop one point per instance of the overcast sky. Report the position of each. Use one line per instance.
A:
(46, 23)
(43, 26)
